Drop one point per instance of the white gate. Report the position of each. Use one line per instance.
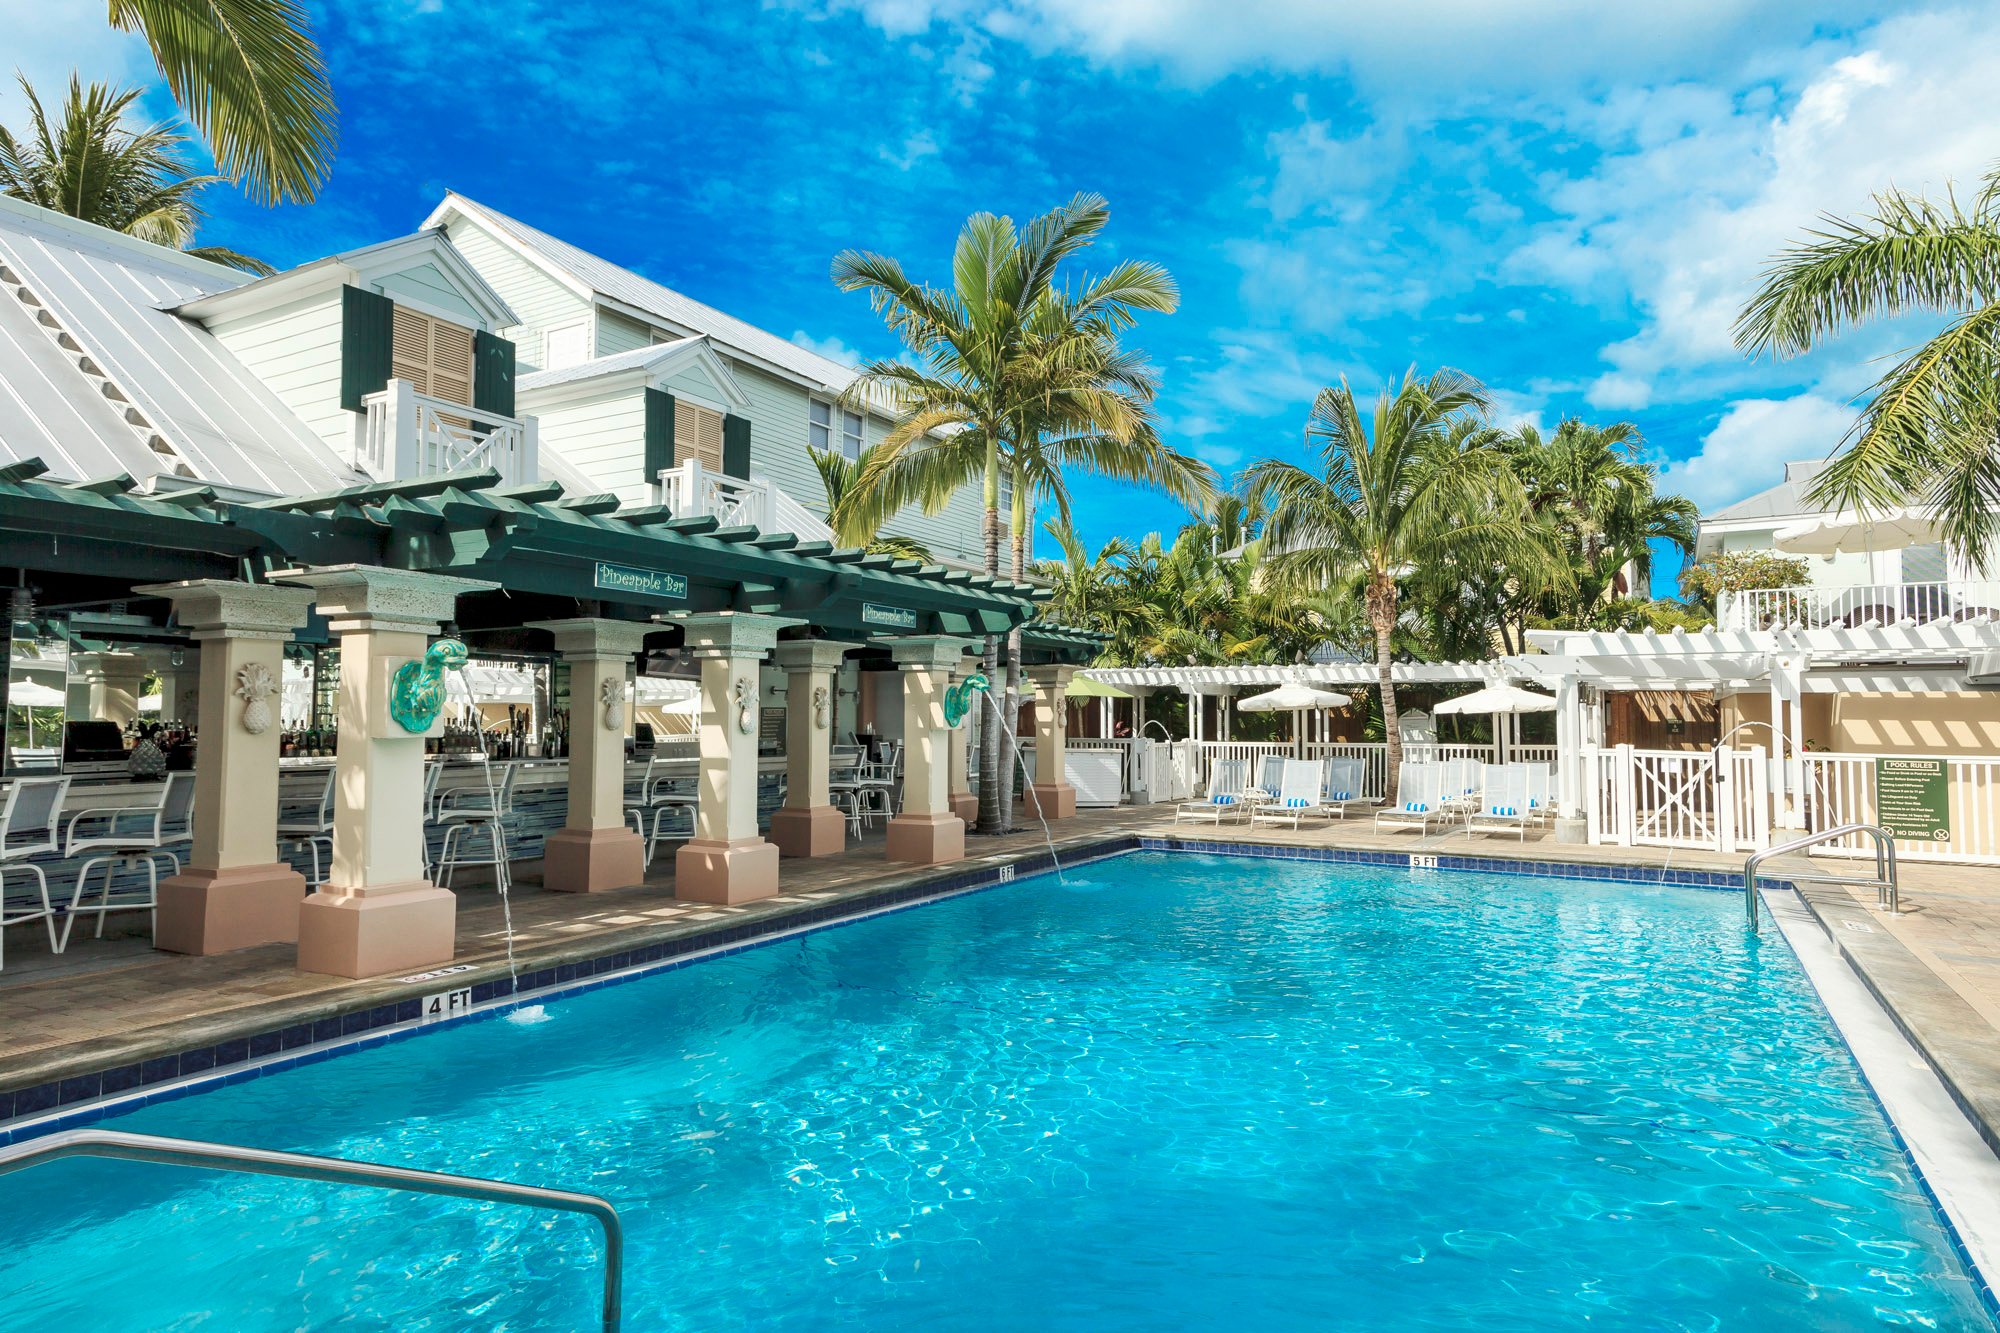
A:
(1718, 800)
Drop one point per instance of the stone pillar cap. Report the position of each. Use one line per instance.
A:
(730, 633)
(813, 654)
(596, 635)
(216, 608)
(406, 599)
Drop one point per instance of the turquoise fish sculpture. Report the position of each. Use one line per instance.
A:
(958, 698)
(416, 691)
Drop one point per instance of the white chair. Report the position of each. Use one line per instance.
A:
(28, 827)
(305, 813)
(1504, 805)
(475, 830)
(1342, 791)
(1419, 800)
(1270, 775)
(1459, 784)
(1299, 784)
(128, 836)
(1225, 798)
(1541, 784)
(651, 802)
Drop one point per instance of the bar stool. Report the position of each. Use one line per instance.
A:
(305, 815)
(163, 826)
(477, 809)
(28, 820)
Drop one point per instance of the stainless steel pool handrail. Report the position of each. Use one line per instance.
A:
(329, 1170)
(1884, 882)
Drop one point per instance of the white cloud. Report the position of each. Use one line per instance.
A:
(1749, 447)
(833, 349)
(45, 41)
(915, 148)
(1512, 408)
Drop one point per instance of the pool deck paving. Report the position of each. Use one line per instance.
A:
(81, 1026)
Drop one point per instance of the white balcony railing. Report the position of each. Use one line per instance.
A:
(404, 434)
(1854, 606)
(693, 491)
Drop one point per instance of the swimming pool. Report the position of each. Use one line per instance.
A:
(1178, 1092)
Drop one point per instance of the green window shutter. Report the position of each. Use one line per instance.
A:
(736, 447)
(366, 328)
(659, 433)
(492, 373)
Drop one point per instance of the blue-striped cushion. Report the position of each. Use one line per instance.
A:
(1223, 800)
(1416, 807)
(1500, 810)
(1343, 796)
(1296, 803)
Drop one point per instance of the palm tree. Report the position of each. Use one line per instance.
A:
(963, 404)
(836, 476)
(1406, 488)
(88, 165)
(1927, 433)
(249, 76)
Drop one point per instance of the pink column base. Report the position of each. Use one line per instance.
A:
(215, 911)
(818, 830)
(593, 860)
(1056, 800)
(350, 935)
(966, 806)
(926, 840)
(725, 872)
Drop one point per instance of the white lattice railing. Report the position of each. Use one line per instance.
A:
(1840, 789)
(404, 434)
(1374, 756)
(788, 515)
(693, 491)
(1857, 605)
(1717, 800)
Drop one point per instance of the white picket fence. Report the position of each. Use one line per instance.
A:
(1840, 789)
(1374, 756)
(1717, 800)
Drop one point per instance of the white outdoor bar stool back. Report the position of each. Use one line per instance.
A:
(28, 827)
(1342, 792)
(1419, 800)
(1298, 794)
(475, 830)
(305, 814)
(1225, 800)
(128, 836)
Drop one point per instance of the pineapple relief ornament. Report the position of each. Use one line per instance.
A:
(253, 686)
(613, 697)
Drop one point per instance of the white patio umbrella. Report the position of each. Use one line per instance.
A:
(1849, 533)
(32, 694)
(1499, 699)
(1294, 698)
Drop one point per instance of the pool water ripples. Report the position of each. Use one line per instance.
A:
(1184, 1092)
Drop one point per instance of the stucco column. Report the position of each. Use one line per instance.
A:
(963, 803)
(926, 832)
(1051, 794)
(234, 891)
(114, 680)
(376, 913)
(809, 825)
(725, 861)
(595, 849)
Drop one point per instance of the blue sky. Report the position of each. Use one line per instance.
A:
(1565, 198)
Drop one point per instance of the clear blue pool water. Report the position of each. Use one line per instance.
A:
(1179, 1093)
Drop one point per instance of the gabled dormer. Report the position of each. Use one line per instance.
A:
(390, 353)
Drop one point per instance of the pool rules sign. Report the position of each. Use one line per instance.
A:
(1913, 799)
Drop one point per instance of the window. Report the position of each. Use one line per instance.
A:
(850, 434)
(435, 355)
(566, 346)
(819, 426)
(697, 435)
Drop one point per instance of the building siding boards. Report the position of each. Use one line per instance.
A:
(295, 351)
(602, 435)
(425, 287)
(618, 333)
(541, 302)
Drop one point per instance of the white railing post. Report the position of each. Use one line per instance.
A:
(1624, 798)
(530, 468)
(400, 429)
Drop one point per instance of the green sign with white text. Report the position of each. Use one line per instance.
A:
(642, 582)
(1913, 798)
(888, 617)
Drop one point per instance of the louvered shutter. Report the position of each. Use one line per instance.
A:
(698, 435)
(736, 447)
(492, 374)
(365, 337)
(432, 354)
(660, 415)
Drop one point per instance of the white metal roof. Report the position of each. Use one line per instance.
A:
(639, 358)
(104, 293)
(592, 276)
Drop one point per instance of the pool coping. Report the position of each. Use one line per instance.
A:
(240, 1059)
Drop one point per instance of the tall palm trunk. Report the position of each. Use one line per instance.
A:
(1018, 543)
(1380, 601)
(992, 812)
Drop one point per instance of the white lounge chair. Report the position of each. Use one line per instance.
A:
(1419, 800)
(1270, 774)
(1459, 784)
(1225, 799)
(1342, 791)
(1505, 803)
(1541, 783)
(1298, 795)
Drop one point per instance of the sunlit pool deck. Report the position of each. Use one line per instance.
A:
(104, 1022)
